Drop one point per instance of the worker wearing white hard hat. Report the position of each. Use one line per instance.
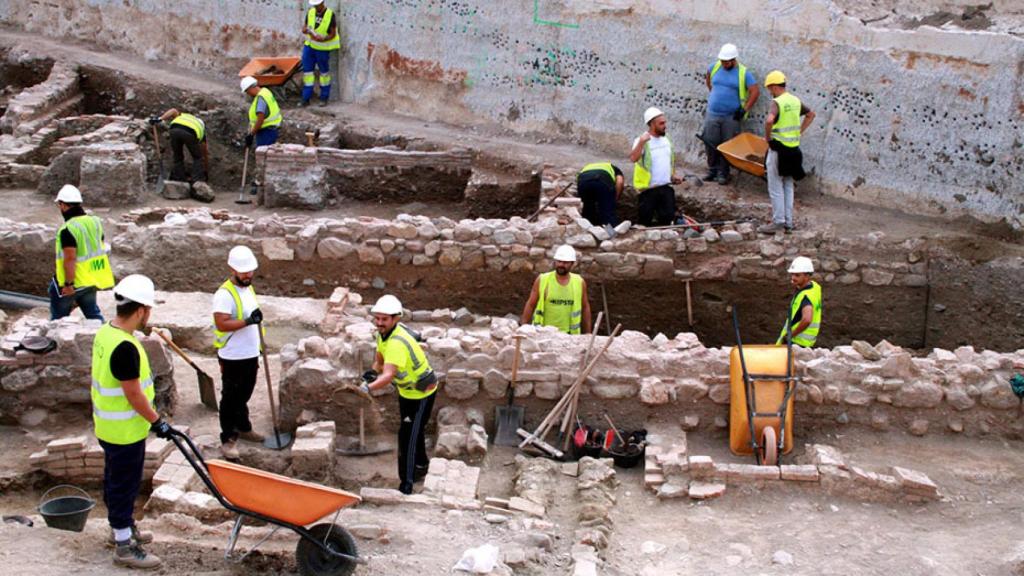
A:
(264, 114)
(804, 320)
(654, 171)
(124, 413)
(733, 91)
(237, 320)
(559, 298)
(400, 361)
(320, 29)
(82, 259)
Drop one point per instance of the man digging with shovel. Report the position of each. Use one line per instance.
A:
(401, 361)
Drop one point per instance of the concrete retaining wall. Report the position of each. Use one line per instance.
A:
(926, 120)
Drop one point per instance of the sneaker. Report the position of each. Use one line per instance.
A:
(138, 537)
(230, 450)
(790, 228)
(770, 228)
(252, 436)
(132, 555)
(710, 176)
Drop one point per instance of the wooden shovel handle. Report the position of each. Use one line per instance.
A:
(174, 347)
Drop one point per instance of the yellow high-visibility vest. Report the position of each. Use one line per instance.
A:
(808, 337)
(114, 418)
(92, 263)
(566, 317)
(415, 378)
(602, 166)
(321, 30)
(220, 339)
(191, 122)
(273, 117)
(787, 126)
(743, 80)
(642, 168)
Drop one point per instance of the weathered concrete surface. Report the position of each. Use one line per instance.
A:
(884, 134)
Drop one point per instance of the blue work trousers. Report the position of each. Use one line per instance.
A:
(85, 298)
(316, 60)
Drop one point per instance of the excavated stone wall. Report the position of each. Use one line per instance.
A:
(924, 120)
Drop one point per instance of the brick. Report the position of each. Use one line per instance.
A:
(706, 490)
(184, 477)
(701, 466)
(381, 496)
(164, 498)
(824, 455)
(158, 449)
(523, 505)
(915, 482)
(653, 481)
(73, 443)
(164, 474)
(754, 473)
(451, 502)
(799, 473)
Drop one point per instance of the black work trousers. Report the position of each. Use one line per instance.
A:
(657, 204)
(598, 196)
(122, 477)
(238, 378)
(181, 138)
(412, 439)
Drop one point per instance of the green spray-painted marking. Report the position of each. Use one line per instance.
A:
(538, 20)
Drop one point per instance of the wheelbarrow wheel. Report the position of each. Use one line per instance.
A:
(315, 562)
(769, 447)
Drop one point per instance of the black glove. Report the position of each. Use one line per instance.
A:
(369, 376)
(154, 120)
(248, 140)
(739, 114)
(255, 318)
(161, 428)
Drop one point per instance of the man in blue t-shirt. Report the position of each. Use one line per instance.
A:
(734, 92)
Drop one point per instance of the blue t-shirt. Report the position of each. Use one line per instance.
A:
(725, 90)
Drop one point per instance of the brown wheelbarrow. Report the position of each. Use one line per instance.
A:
(325, 549)
(746, 152)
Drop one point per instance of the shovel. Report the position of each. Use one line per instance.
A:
(509, 417)
(242, 199)
(160, 161)
(279, 441)
(207, 394)
(358, 446)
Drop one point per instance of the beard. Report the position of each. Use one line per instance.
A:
(242, 283)
(562, 271)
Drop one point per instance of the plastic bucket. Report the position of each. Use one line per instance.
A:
(66, 512)
(628, 456)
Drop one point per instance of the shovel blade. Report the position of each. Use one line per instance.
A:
(207, 393)
(278, 441)
(509, 419)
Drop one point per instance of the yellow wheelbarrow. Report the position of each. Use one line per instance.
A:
(746, 152)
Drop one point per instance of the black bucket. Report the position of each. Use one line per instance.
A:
(628, 457)
(66, 512)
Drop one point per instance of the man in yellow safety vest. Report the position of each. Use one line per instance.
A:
(186, 131)
(559, 298)
(805, 309)
(82, 259)
(784, 164)
(321, 31)
(732, 92)
(599, 185)
(123, 414)
(264, 114)
(654, 171)
(400, 360)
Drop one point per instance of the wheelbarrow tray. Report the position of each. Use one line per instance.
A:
(767, 360)
(746, 152)
(280, 497)
(287, 65)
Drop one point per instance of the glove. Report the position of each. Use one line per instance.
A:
(248, 140)
(739, 114)
(154, 120)
(369, 376)
(255, 318)
(161, 428)
(365, 388)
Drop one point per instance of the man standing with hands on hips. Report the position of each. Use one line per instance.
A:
(654, 171)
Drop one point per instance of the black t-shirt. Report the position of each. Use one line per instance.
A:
(805, 302)
(125, 362)
(67, 239)
(598, 175)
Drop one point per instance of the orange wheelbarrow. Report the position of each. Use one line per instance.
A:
(325, 549)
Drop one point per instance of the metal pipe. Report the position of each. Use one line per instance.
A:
(21, 301)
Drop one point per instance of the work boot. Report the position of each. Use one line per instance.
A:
(138, 537)
(304, 103)
(132, 555)
(709, 177)
(790, 228)
(230, 450)
(252, 436)
(323, 103)
(419, 473)
(405, 488)
(770, 228)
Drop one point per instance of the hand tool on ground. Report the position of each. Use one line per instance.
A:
(616, 430)
(607, 316)
(358, 446)
(280, 440)
(245, 172)
(509, 418)
(571, 413)
(207, 392)
(694, 224)
(550, 202)
(160, 162)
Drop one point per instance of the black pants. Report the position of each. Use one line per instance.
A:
(122, 477)
(657, 204)
(181, 138)
(412, 438)
(238, 378)
(598, 196)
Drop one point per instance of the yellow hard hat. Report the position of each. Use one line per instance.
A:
(774, 77)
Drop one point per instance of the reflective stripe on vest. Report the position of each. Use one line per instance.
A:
(191, 122)
(787, 126)
(809, 336)
(602, 166)
(576, 312)
(321, 30)
(114, 418)
(220, 339)
(273, 117)
(743, 80)
(642, 169)
(92, 263)
(416, 379)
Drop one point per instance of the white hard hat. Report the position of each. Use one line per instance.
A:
(315, 2)
(652, 113)
(728, 52)
(565, 253)
(242, 260)
(801, 265)
(136, 288)
(387, 304)
(248, 82)
(69, 195)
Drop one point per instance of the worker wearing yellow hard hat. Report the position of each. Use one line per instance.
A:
(784, 163)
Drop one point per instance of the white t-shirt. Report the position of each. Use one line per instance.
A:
(661, 160)
(244, 343)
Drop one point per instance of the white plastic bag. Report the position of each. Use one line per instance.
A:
(479, 560)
